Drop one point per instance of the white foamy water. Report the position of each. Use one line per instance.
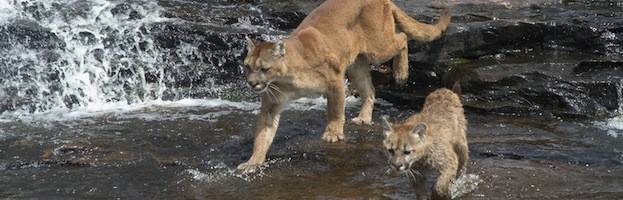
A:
(87, 53)
(220, 171)
(121, 110)
(73, 57)
(67, 59)
(148, 110)
(614, 125)
(464, 185)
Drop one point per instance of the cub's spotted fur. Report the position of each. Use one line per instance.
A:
(431, 141)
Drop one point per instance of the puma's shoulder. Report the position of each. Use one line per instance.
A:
(339, 39)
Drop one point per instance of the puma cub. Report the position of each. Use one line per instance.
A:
(431, 141)
(337, 39)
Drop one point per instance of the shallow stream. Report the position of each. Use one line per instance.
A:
(169, 151)
(141, 100)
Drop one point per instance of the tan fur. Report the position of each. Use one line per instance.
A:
(432, 141)
(338, 38)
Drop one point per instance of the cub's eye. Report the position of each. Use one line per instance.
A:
(406, 152)
(391, 151)
(264, 70)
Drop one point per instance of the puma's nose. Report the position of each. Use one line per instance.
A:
(399, 167)
(252, 84)
(255, 85)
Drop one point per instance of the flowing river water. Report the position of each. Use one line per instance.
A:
(94, 106)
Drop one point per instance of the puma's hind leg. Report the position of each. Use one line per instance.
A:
(396, 49)
(401, 65)
(359, 76)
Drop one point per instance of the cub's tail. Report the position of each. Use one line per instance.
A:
(456, 88)
(418, 30)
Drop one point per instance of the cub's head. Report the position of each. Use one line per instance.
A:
(265, 63)
(404, 144)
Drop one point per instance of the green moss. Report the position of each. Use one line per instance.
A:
(457, 61)
(237, 95)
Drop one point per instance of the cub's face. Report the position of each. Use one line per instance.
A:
(404, 144)
(265, 63)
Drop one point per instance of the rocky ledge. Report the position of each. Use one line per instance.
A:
(532, 57)
(537, 58)
(554, 58)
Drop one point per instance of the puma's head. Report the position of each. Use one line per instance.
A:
(404, 144)
(265, 63)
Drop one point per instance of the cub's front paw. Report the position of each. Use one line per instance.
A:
(330, 136)
(248, 168)
(360, 121)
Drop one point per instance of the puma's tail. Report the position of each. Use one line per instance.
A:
(418, 30)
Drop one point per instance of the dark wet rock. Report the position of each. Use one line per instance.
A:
(86, 38)
(29, 34)
(82, 153)
(484, 34)
(496, 53)
(592, 66)
(287, 20)
(473, 40)
(518, 89)
(98, 54)
(536, 93)
(218, 62)
(125, 11)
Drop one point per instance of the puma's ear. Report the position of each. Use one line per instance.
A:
(279, 50)
(419, 130)
(250, 43)
(387, 126)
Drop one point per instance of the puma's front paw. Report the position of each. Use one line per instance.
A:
(330, 136)
(248, 168)
(360, 121)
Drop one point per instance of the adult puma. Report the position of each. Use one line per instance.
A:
(336, 39)
(432, 141)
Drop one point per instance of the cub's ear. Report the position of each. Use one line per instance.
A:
(419, 130)
(250, 43)
(279, 50)
(387, 126)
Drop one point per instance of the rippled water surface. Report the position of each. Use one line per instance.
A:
(132, 100)
(190, 152)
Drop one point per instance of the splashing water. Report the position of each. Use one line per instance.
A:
(61, 55)
(465, 184)
(221, 171)
(89, 47)
(614, 125)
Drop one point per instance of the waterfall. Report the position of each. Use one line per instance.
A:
(619, 88)
(91, 52)
(67, 54)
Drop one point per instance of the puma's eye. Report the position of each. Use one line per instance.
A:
(406, 152)
(391, 151)
(264, 70)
